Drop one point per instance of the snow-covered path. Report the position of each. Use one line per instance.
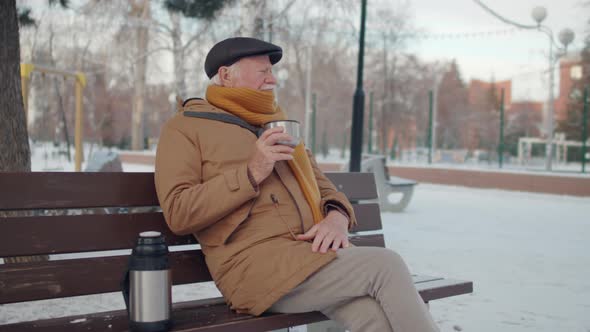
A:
(528, 255)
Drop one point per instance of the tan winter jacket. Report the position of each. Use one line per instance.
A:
(203, 187)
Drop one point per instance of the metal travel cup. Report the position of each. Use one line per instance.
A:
(291, 128)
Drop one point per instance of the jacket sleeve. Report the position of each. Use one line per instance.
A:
(189, 204)
(331, 195)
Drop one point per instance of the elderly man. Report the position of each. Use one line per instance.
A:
(273, 228)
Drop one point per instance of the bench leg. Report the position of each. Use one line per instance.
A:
(388, 206)
(406, 198)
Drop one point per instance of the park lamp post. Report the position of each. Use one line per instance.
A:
(356, 133)
(566, 36)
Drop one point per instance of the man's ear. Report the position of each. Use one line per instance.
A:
(225, 76)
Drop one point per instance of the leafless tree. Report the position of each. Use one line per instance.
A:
(14, 142)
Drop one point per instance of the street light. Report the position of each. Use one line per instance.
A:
(566, 36)
(356, 134)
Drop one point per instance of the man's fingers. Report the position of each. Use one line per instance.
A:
(271, 131)
(326, 242)
(345, 242)
(280, 152)
(319, 239)
(310, 234)
(281, 149)
(336, 244)
(276, 137)
(282, 156)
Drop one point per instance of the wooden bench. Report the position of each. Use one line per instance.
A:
(105, 213)
(387, 184)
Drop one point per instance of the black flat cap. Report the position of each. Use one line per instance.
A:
(229, 51)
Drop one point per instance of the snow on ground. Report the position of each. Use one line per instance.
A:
(563, 170)
(128, 167)
(527, 254)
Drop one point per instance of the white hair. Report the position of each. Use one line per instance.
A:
(234, 71)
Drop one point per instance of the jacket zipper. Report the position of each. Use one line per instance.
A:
(275, 202)
(294, 201)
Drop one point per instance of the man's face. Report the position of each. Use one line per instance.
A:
(254, 72)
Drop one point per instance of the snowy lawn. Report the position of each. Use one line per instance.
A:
(528, 255)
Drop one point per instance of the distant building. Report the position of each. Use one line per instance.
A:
(522, 118)
(570, 69)
(484, 100)
(526, 118)
(479, 93)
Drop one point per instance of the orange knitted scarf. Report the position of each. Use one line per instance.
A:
(257, 108)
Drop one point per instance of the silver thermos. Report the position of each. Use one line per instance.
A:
(147, 285)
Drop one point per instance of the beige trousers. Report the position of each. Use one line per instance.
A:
(365, 289)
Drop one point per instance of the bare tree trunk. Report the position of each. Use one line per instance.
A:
(60, 104)
(383, 129)
(15, 153)
(178, 55)
(252, 18)
(384, 104)
(259, 18)
(137, 138)
(62, 112)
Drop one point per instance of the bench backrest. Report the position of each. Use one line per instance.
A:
(376, 164)
(105, 212)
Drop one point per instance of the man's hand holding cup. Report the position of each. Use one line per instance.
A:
(270, 148)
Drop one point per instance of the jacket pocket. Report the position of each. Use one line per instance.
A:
(218, 233)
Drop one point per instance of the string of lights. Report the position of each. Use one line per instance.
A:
(470, 35)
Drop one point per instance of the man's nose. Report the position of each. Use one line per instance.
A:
(271, 79)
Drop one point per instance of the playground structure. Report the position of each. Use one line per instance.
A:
(561, 146)
(26, 69)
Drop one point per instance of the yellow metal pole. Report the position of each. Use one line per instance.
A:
(25, 72)
(80, 83)
(25, 77)
(24, 84)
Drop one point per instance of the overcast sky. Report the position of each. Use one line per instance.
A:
(483, 46)
(500, 51)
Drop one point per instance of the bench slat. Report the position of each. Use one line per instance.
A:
(46, 190)
(356, 186)
(368, 217)
(199, 315)
(61, 278)
(193, 315)
(23, 236)
(442, 288)
(37, 235)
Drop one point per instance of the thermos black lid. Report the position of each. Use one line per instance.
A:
(150, 234)
(150, 252)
